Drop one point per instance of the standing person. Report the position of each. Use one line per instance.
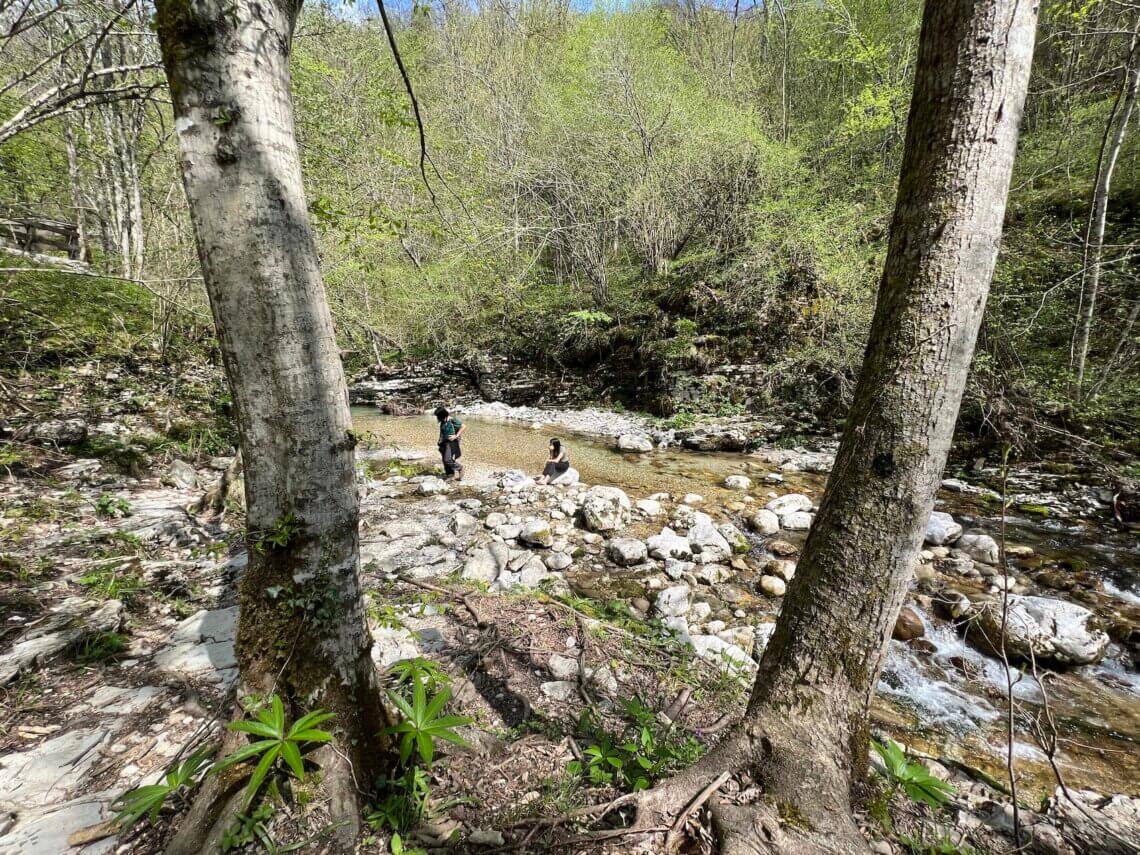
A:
(450, 429)
(556, 464)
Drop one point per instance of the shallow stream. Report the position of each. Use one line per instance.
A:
(948, 700)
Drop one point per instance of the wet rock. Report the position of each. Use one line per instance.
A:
(674, 601)
(798, 521)
(941, 529)
(789, 504)
(781, 548)
(979, 546)
(536, 532)
(669, 544)
(1039, 627)
(773, 586)
(737, 542)
(908, 625)
(781, 568)
(634, 443)
(605, 509)
(737, 482)
(764, 522)
(626, 551)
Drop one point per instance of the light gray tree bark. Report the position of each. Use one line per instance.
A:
(1098, 209)
(804, 736)
(227, 62)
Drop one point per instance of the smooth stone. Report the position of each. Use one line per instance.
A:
(764, 522)
(789, 504)
(773, 586)
(626, 551)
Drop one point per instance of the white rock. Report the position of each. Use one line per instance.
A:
(979, 546)
(737, 482)
(941, 529)
(1048, 629)
(649, 507)
(560, 690)
(432, 486)
(669, 544)
(605, 509)
(798, 521)
(708, 543)
(674, 601)
(626, 551)
(693, 499)
(773, 586)
(675, 569)
(463, 523)
(495, 519)
(182, 475)
(558, 560)
(487, 563)
(789, 504)
(728, 656)
(635, 443)
(764, 522)
(567, 479)
(536, 532)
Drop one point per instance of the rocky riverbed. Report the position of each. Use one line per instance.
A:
(656, 571)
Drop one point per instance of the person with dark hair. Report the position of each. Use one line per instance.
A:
(450, 429)
(556, 464)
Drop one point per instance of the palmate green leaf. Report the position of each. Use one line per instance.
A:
(426, 746)
(139, 802)
(401, 705)
(256, 728)
(308, 722)
(311, 736)
(291, 754)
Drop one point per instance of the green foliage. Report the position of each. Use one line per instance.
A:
(275, 742)
(110, 505)
(914, 778)
(278, 536)
(632, 759)
(406, 794)
(423, 721)
(99, 647)
(115, 581)
(149, 800)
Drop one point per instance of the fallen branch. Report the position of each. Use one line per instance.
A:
(672, 839)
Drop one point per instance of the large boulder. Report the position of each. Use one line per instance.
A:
(1041, 628)
(789, 504)
(797, 521)
(674, 601)
(181, 476)
(605, 509)
(941, 529)
(979, 546)
(735, 537)
(626, 551)
(635, 443)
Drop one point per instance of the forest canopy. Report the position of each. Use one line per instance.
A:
(642, 191)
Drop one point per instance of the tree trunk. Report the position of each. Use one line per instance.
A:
(805, 733)
(1098, 209)
(302, 632)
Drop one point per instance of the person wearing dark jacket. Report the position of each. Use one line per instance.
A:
(450, 430)
(556, 464)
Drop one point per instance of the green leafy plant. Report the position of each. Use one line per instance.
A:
(640, 754)
(423, 722)
(914, 778)
(99, 647)
(110, 505)
(276, 742)
(148, 801)
(278, 536)
(114, 582)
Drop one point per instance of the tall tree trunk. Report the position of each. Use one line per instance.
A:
(804, 735)
(227, 62)
(1098, 209)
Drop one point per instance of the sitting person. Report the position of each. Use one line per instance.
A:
(556, 464)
